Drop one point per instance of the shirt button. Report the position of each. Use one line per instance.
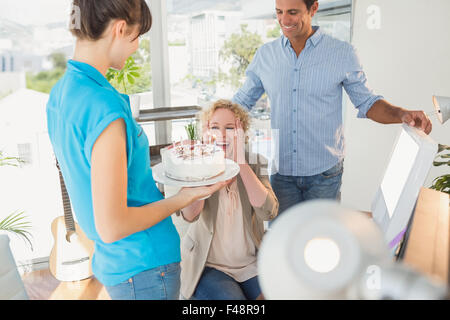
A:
(295, 151)
(295, 110)
(295, 131)
(295, 69)
(295, 90)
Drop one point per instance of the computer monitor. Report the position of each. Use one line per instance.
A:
(405, 174)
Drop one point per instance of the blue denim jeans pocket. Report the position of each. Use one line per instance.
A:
(160, 283)
(334, 172)
(325, 185)
(291, 190)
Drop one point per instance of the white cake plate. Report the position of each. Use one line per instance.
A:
(231, 170)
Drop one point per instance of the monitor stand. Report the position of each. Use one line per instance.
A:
(401, 249)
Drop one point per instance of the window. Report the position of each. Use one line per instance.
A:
(202, 37)
(334, 17)
(24, 152)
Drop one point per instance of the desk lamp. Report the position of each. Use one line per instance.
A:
(321, 250)
(442, 106)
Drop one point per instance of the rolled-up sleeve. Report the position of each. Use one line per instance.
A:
(356, 85)
(252, 89)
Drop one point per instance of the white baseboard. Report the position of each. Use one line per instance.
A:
(25, 266)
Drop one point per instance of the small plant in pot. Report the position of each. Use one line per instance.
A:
(192, 132)
(442, 183)
(123, 80)
(16, 222)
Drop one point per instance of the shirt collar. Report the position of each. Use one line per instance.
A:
(89, 71)
(314, 39)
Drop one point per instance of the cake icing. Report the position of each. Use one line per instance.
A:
(193, 161)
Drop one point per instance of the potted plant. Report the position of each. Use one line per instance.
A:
(15, 223)
(123, 80)
(442, 183)
(192, 132)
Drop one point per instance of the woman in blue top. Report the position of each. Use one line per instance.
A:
(104, 158)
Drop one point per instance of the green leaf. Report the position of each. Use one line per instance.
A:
(111, 74)
(10, 161)
(130, 79)
(120, 77)
(442, 183)
(14, 223)
(438, 163)
(443, 147)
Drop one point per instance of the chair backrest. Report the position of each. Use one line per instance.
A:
(11, 285)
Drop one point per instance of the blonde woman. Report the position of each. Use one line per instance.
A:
(220, 248)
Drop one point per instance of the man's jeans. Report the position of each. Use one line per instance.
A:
(291, 190)
(160, 283)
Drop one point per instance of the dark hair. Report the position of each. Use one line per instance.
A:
(92, 17)
(309, 3)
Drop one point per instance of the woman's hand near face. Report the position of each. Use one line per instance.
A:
(235, 143)
(239, 144)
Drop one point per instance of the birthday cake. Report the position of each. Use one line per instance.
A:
(193, 161)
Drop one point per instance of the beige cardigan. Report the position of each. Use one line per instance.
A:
(197, 241)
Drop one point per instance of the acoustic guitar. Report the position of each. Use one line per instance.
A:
(71, 255)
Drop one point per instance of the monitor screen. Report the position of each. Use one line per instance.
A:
(398, 170)
(408, 167)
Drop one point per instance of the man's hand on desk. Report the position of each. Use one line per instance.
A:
(417, 119)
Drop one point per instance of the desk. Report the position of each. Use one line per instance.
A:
(428, 246)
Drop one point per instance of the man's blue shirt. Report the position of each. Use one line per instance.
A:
(305, 95)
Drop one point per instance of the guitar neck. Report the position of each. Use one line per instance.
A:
(68, 218)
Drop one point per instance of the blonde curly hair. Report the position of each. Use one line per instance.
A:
(238, 111)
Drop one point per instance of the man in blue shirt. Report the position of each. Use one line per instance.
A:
(303, 73)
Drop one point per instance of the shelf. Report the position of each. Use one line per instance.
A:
(162, 114)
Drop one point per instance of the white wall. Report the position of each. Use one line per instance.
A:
(258, 8)
(406, 57)
(33, 188)
(11, 81)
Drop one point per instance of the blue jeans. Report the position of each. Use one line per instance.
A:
(160, 283)
(216, 285)
(291, 190)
